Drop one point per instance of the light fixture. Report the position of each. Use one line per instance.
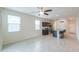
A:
(41, 13)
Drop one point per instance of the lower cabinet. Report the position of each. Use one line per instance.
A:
(45, 32)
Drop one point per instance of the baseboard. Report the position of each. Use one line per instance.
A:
(20, 41)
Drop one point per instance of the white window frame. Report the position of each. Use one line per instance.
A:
(14, 23)
(37, 24)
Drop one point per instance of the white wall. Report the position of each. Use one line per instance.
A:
(27, 27)
(58, 25)
(0, 32)
(77, 27)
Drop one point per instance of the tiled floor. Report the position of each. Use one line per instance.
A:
(44, 44)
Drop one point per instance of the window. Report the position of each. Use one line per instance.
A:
(37, 24)
(13, 23)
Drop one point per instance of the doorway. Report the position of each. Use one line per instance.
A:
(71, 28)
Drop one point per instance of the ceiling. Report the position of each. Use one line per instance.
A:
(57, 11)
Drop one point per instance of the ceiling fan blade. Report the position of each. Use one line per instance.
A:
(48, 10)
(46, 14)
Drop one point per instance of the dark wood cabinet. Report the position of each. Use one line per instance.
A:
(45, 24)
(45, 30)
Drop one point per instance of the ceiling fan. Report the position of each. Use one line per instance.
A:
(44, 11)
